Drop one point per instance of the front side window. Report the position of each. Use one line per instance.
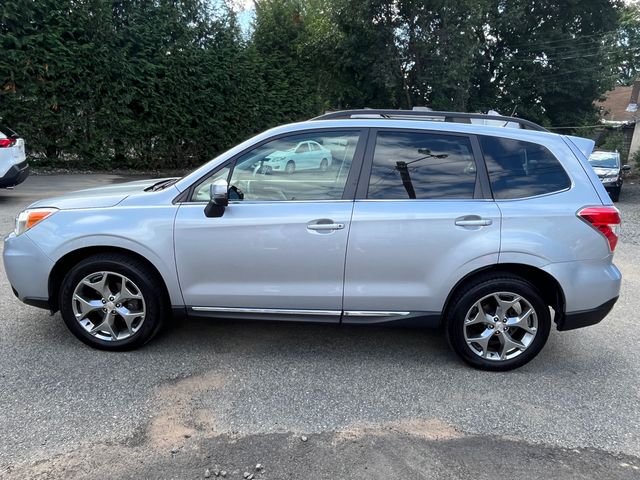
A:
(410, 165)
(287, 169)
(519, 169)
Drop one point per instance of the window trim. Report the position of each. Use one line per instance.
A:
(481, 190)
(350, 183)
(555, 157)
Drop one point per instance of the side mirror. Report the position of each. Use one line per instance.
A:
(626, 168)
(218, 199)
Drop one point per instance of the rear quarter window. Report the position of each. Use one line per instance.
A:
(519, 169)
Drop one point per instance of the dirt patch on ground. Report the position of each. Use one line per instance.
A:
(428, 429)
(178, 426)
(180, 414)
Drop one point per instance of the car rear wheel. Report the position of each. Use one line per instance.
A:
(291, 167)
(324, 165)
(111, 302)
(498, 322)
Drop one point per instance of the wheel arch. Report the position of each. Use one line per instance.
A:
(67, 261)
(547, 285)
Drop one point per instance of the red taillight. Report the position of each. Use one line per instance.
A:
(603, 219)
(7, 142)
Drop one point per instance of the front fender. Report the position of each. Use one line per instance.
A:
(147, 232)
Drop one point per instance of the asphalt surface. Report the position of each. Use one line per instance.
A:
(370, 402)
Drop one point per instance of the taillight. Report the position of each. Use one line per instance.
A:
(603, 219)
(7, 142)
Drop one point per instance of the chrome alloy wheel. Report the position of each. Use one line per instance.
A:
(109, 306)
(500, 326)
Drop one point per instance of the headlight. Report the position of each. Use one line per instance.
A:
(29, 218)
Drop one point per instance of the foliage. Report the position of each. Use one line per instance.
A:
(627, 56)
(635, 159)
(170, 83)
(612, 140)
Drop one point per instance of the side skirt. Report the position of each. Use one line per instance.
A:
(349, 317)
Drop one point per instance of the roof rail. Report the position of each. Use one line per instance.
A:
(455, 117)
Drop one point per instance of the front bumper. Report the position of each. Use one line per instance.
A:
(28, 269)
(15, 175)
(585, 318)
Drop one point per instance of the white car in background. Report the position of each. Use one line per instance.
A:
(14, 168)
(308, 155)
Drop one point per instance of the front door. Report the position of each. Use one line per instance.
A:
(279, 248)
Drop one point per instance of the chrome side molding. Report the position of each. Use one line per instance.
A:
(278, 311)
(271, 311)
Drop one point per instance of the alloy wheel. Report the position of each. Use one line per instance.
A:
(500, 326)
(109, 306)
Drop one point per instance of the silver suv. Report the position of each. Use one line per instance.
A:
(420, 218)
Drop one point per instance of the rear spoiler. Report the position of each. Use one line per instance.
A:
(8, 132)
(585, 145)
(582, 148)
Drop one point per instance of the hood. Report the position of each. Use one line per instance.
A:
(99, 197)
(603, 172)
(278, 154)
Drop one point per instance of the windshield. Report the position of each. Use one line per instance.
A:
(604, 160)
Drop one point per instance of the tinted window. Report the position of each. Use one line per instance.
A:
(520, 169)
(422, 166)
(285, 169)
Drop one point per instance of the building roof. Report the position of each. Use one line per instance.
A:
(620, 104)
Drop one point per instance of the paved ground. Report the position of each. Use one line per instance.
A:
(373, 403)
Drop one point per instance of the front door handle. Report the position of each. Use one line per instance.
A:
(325, 226)
(473, 221)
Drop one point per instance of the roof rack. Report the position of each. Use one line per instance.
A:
(455, 117)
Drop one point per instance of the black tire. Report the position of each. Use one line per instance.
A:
(474, 291)
(290, 168)
(615, 194)
(145, 278)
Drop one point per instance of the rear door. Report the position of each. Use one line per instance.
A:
(422, 219)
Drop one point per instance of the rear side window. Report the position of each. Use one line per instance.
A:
(520, 169)
(411, 165)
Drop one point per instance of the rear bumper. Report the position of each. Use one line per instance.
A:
(585, 318)
(15, 175)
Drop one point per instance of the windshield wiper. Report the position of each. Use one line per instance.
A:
(161, 185)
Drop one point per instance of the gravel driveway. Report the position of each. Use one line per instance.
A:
(313, 401)
(629, 206)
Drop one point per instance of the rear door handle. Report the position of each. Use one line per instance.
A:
(326, 226)
(473, 222)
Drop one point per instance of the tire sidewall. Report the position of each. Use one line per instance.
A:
(292, 169)
(153, 303)
(456, 318)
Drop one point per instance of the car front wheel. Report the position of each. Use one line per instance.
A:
(498, 323)
(111, 302)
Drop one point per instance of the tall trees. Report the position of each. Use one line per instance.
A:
(168, 83)
(627, 41)
(548, 59)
